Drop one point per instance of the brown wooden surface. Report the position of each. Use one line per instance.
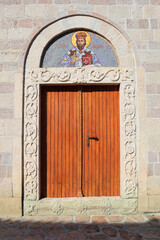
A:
(101, 168)
(70, 168)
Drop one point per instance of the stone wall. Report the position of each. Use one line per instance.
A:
(20, 22)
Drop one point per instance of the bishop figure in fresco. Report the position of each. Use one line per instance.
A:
(81, 55)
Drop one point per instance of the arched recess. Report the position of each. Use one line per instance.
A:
(124, 75)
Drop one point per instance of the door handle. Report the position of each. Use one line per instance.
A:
(94, 138)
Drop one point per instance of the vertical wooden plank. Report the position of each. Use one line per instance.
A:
(67, 185)
(108, 142)
(52, 145)
(104, 140)
(48, 141)
(63, 146)
(56, 137)
(98, 153)
(118, 142)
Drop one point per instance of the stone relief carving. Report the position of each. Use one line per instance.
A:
(57, 208)
(30, 141)
(34, 77)
(31, 210)
(105, 206)
(80, 207)
(80, 75)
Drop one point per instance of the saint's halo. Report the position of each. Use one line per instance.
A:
(73, 39)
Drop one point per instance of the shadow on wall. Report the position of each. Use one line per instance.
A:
(128, 228)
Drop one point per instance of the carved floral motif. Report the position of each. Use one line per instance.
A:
(31, 210)
(57, 208)
(80, 207)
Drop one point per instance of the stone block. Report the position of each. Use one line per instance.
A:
(147, 35)
(3, 34)
(6, 113)
(17, 167)
(102, 2)
(154, 45)
(154, 203)
(99, 220)
(18, 96)
(5, 188)
(7, 158)
(153, 143)
(153, 112)
(153, 100)
(135, 34)
(6, 87)
(119, 12)
(155, 2)
(153, 184)
(9, 56)
(6, 100)
(143, 23)
(137, 12)
(52, 10)
(158, 88)
(5, 144)
(19, 33)
(149, 56)
(2, 11)
(68, 7)
(152, 126)
(150, 169)
(154, 23)
(152, 157)
(7, 76)
(3, 172)
(157, 169)
(150, 88)
(157, 34)
(24, 23)
(62, 1)
(79, 2)
(82, 219)
(9, 171)
(44, 1)
(83, 7)
(143, 203)
(2, 128)
(14, 209)
(29, 1)
(13, 127)
(137, 23)
(151, 67)
(35, 10)
(14, 11)
(152, 12)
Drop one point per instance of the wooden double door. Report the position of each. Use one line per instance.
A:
(80, 141)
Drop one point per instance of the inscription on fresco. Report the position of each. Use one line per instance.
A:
(80, 49)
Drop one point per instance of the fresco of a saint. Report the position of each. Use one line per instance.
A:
(80, 55)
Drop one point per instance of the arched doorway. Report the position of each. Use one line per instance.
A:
(38, 78)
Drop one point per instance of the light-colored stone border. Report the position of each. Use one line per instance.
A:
(127, 202)
(121, 45)
(124, 76)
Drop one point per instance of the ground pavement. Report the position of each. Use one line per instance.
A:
(132, 227)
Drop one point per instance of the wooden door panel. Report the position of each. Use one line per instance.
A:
(62, 144)
(101, 173)
(69, 168)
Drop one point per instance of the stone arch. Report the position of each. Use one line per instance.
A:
(124, 46)
(123, 75)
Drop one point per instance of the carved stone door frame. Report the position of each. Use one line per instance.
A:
(35, 77)
(92, 205)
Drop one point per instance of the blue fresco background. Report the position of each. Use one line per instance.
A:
(58, 48)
